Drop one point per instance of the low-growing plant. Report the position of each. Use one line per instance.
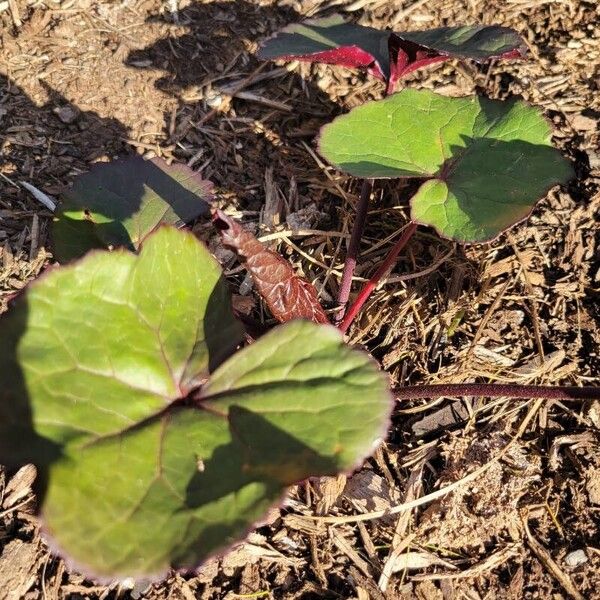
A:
(388, 56)
(159, 437)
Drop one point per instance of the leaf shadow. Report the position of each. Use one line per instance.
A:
(259, 453)
(215, 35)
(203, 60)
(31, 126)
(41, 149)
(498, 183)
(20, 444)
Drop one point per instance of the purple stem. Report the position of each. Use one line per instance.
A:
(368, 287)
(496, 390)
(353, 246)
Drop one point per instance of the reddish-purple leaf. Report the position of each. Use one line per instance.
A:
(287, 295)
(385, 54)
(333, 41)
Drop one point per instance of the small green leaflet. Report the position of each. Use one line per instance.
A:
(486, 162)
(156, 447)
(119, 203)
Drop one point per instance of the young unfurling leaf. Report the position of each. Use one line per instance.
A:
(287, 295)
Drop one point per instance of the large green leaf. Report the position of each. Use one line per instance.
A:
(486, 162)
(146, 464)
(121, 202)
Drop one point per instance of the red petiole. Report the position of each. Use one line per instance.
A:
(353, 246)
(496, 390)
(368, 288)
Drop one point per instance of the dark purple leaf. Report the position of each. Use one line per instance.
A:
(287, 295)
(385, 54)
(412, 50)
(333, 41)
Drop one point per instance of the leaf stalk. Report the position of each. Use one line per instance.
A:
(385, 266)
(358, 228)
(496, 390)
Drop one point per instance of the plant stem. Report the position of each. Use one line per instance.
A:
(495, 390)
(358, 228)
(368, 288)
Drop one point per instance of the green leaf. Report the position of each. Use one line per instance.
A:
(303, 380)
(145, 464)
(486, 163)
(121, 202)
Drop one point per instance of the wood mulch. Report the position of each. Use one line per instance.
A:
(84, 81)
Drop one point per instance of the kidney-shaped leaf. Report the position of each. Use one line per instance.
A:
(121, 202)
(146, 465)
(486, 162)
(385, 54)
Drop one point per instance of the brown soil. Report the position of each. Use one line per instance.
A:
(87, 81)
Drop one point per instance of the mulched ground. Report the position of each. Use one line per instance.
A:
(87, 81)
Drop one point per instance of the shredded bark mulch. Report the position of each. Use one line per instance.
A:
(515, 511)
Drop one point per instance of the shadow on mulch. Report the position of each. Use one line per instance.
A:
(210, 52)
(49, 144)
(52, 141)
(44, 145)
(216, 35)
